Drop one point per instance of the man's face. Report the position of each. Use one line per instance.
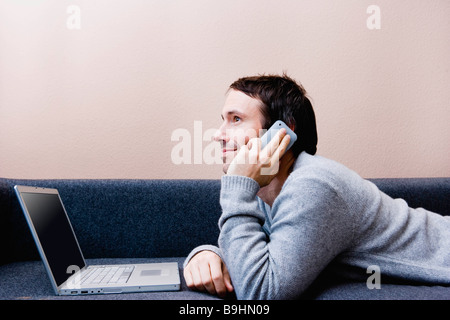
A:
(242, 120)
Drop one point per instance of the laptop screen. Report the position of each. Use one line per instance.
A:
(55, 234)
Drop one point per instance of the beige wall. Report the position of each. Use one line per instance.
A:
(103, 100)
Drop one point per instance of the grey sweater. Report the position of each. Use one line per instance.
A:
(324, 213)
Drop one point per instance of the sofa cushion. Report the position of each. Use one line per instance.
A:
(28, 280)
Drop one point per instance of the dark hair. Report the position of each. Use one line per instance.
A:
(283, 99)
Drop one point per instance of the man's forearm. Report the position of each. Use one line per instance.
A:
(243, 241)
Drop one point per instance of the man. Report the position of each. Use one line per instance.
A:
(279, 231)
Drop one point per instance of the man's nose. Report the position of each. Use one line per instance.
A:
(220, 134)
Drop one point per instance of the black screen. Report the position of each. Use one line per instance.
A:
(55, 234)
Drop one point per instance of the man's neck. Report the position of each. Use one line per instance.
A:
(269, 193)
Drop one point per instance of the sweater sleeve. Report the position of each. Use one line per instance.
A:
(308, 230)
(205, 247)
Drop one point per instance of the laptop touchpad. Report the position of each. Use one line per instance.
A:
(156, 272)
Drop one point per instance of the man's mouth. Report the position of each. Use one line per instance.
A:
(229, 150)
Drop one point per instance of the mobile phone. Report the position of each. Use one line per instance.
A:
(270, 134)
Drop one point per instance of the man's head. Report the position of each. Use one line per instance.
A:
(255, 103)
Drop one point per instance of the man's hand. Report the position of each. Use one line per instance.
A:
(260, 165)
(207, 272)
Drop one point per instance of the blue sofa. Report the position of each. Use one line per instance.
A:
(121, 221)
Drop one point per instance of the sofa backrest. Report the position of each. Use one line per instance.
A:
(430, 193)
(156, 218)
(120, 218)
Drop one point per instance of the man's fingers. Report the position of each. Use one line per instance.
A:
(218, 279)
(207, 272)
(188, 277)
(274, 150)
(207, 281)
(196, 279)
(273, 144)
(227, 279)
(212, 277)
(279, 152)
(254, 146)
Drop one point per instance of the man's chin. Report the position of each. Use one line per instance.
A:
(227, 161)
(225, 167)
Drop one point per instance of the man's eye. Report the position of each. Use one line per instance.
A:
(236, 119)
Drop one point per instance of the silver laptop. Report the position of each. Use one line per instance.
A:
(64, 261)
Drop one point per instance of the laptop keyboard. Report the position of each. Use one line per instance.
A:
(106, 275)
